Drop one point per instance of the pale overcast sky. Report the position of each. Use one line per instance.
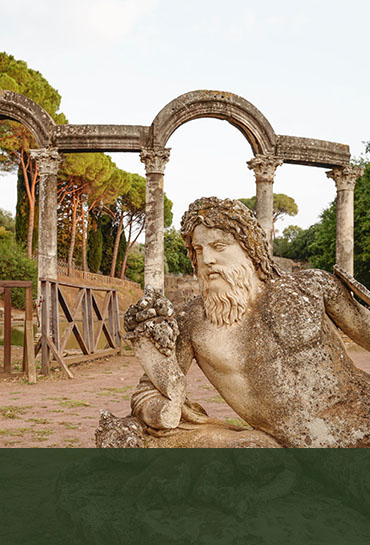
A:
(304, 64)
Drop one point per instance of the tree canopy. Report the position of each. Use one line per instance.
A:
(317, 243)
(16, 140)
(283, 205)
(16, 76)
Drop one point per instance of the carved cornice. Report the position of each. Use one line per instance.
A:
(345, 178)
(264, 167)
(48, 160)
(155, 159)
(312, 152)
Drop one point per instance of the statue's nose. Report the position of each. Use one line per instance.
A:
(208, 256)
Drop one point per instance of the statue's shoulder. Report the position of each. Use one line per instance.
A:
(309, 281)
(317, 282)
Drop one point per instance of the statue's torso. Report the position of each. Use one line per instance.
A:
(283, 365)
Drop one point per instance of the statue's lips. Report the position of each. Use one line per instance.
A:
(213, 275)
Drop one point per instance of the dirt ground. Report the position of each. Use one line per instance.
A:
(64, 413)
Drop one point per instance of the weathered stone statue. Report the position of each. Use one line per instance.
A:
(268, 342)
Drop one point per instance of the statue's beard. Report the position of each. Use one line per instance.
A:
(228, 304)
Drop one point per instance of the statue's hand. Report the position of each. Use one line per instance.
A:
(151, 327)
(153, 317)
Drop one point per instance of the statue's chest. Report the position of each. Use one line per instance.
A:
(219, 347)
(288, 320)
(293, 319)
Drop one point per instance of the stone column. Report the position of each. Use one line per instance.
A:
(345, 180)
(264, 167)
(48, 161)
(155, 160)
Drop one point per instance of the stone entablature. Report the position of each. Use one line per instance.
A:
(75, 138)
(311, 152)
(195, 104)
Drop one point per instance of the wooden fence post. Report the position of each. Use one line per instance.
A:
(45, 326)
(7, 328)
(29, 353)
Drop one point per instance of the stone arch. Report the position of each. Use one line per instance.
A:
(17, 107)
(221, 105)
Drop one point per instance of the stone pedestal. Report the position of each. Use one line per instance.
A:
(264, 167)
(345, 181)
(155, 160)
(131, 432)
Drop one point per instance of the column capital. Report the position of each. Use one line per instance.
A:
(155, 159)
(48, 160)
(264, 167)
(345, 177)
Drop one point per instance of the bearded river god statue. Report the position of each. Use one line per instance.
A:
(268, 342)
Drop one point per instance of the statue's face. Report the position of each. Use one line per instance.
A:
(218, 252)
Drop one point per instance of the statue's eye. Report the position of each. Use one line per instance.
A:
(219, 246)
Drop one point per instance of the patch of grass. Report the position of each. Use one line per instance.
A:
(13, 411)
(109, 391)
(71, 442)
(17, 337)
(72, 426)
(238, 422)
(119, 390)
(42, 434)
(38, 420)
(15, 433)
(57, 411)
(71, 403)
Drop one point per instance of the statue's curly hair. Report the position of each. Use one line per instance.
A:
(235, 218)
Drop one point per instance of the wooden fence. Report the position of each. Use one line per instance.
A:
(28, 343)
(98, 324)
(101, 279)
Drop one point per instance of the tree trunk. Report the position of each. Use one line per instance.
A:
(84, 251)
(73, 235)
(116, 247)
(125, 256)
(31, 224)
(128, 248)
(30, 190)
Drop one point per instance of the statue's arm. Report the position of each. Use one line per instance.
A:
(349, 315)
(184, 347)
(154, 333)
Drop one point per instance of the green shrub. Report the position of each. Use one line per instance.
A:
(135, 267)
(94, 249)
(15, 265)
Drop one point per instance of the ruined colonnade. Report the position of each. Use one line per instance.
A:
(270, 152)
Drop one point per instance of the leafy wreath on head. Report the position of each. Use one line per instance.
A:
(235, 218)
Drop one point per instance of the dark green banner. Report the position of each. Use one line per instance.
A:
(185, 497)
